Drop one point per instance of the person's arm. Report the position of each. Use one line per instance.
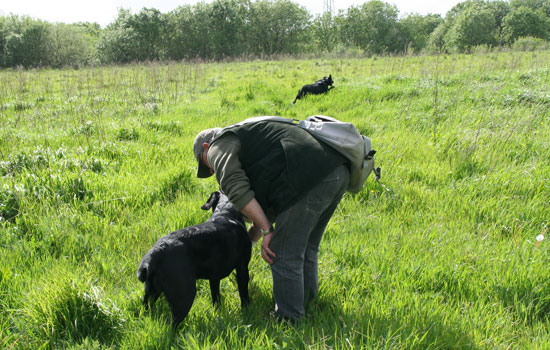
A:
(223, 157)
(254, 212)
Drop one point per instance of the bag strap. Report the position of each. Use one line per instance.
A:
(377, 172)
(254, 120)
(321, 119)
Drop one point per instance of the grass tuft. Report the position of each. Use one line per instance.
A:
(63, 311)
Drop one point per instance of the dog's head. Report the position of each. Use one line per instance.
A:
(222, 208)
(218, 202)
(328, 80)
(212, 202)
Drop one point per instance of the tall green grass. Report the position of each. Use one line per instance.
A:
(96, 164)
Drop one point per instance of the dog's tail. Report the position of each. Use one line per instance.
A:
(299, 96)
(142, 272)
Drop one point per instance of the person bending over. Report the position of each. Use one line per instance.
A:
(277, 173)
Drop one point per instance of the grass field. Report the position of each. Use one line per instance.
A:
(96, 164)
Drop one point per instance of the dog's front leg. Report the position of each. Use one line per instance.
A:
(215, 291)
(242, 281)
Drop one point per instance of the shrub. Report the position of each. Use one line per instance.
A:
(529, 43)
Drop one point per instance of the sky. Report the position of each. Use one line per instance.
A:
(105, 11)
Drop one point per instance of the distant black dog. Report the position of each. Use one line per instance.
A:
(319, 87)
(210, 250)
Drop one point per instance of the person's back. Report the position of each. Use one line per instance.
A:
(281, 161)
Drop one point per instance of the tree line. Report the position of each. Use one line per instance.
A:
(263, 28)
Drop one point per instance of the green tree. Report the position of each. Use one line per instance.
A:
(132, 37)
(523, 22)
(70, 46)
(500, 10)
(3, 38)
(92, 29)
(372, 27)
(187, 32)
(146, 28)
(325, 31)
(351, 27)
(417, 29)
(278, 26)
(116, 44)
(27, 42)
(227, 27)
(471, 23)
(436, 41)
(439, 39)
(214, 30)
(543, 5)
(473, 26)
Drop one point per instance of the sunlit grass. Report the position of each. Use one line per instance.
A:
(96, 164)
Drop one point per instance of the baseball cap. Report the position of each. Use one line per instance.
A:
(204, 136)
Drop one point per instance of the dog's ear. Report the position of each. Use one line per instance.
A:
(212, 201)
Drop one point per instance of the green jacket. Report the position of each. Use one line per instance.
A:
(274, 162)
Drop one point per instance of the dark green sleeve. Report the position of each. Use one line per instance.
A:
(223, 157)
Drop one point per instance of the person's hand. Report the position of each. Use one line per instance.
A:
(254, 233)
(267, 254)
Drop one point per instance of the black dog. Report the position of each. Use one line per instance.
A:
(210, 250)
(319, 87)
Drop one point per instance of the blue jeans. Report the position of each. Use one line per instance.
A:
(298, 233)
